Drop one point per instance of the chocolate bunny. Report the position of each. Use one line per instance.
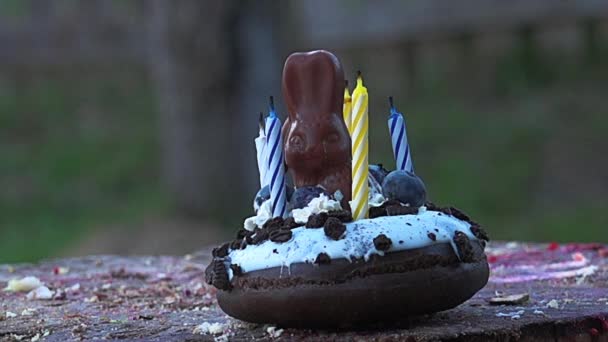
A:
(317, 143)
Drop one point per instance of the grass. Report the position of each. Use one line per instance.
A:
(75, 154)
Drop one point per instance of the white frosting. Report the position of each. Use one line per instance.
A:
(321, 204)
(264, 213)
(405, 231)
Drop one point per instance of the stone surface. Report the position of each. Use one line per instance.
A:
(165, 299)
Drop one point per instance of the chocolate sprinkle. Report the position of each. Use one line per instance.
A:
(432, 236)
(382, 242)
(316, 220)
(221, 251)
(465, 249)
(281, 235)
(322, 259)
(334, 229)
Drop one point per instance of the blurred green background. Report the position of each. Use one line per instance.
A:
(127, 127)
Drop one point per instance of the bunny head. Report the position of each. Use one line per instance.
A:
(317, 143)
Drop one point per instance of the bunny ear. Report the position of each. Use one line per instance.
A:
(313, 83)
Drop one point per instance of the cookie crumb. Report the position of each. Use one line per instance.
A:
(236, 269)
(382, 243)
(317, 220)
(322, 259)
(334, 228)
(465, 249)
(281, 235)
(221, 251)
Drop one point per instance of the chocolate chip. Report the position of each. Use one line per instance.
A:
(400, 242)
(401, 210)
(459, 214)
(273, 224)
(342, 215)
(221, 251)
(334, 228)
(290, 223)
(432, 236)
(465, 249)
(479, 232)
(377, 212)
(216, 274)
(322, 259)
(317, 220)
(275, 251)
(281, 235)
(260, 236)
(236, 269)
(382, 242)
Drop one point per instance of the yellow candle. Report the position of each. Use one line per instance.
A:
(360, 147)
(348, 109)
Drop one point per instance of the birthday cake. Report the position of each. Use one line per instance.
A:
(350, 243)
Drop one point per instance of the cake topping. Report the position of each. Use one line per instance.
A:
(280, 235)
(432, 236)
(382, 242)
(221, 251)
(216, 274)
(479, 232)
(236, 269)
(465, 250)
(342, 215)
(394, 210)
(322, 259)
(306, 244)
(317, 220)
(405, 187)
(334, 228)
(317, 142)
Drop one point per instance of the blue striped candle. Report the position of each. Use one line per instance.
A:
(276, 165)
(401, 148)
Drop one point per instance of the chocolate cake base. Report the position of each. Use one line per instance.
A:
(344, 293)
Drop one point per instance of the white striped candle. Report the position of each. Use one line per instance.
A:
(260, 148)
(275, 162)
(401, 148)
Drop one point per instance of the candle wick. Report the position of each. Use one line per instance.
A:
(390, 101)
(345, 83)
(271, 106)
